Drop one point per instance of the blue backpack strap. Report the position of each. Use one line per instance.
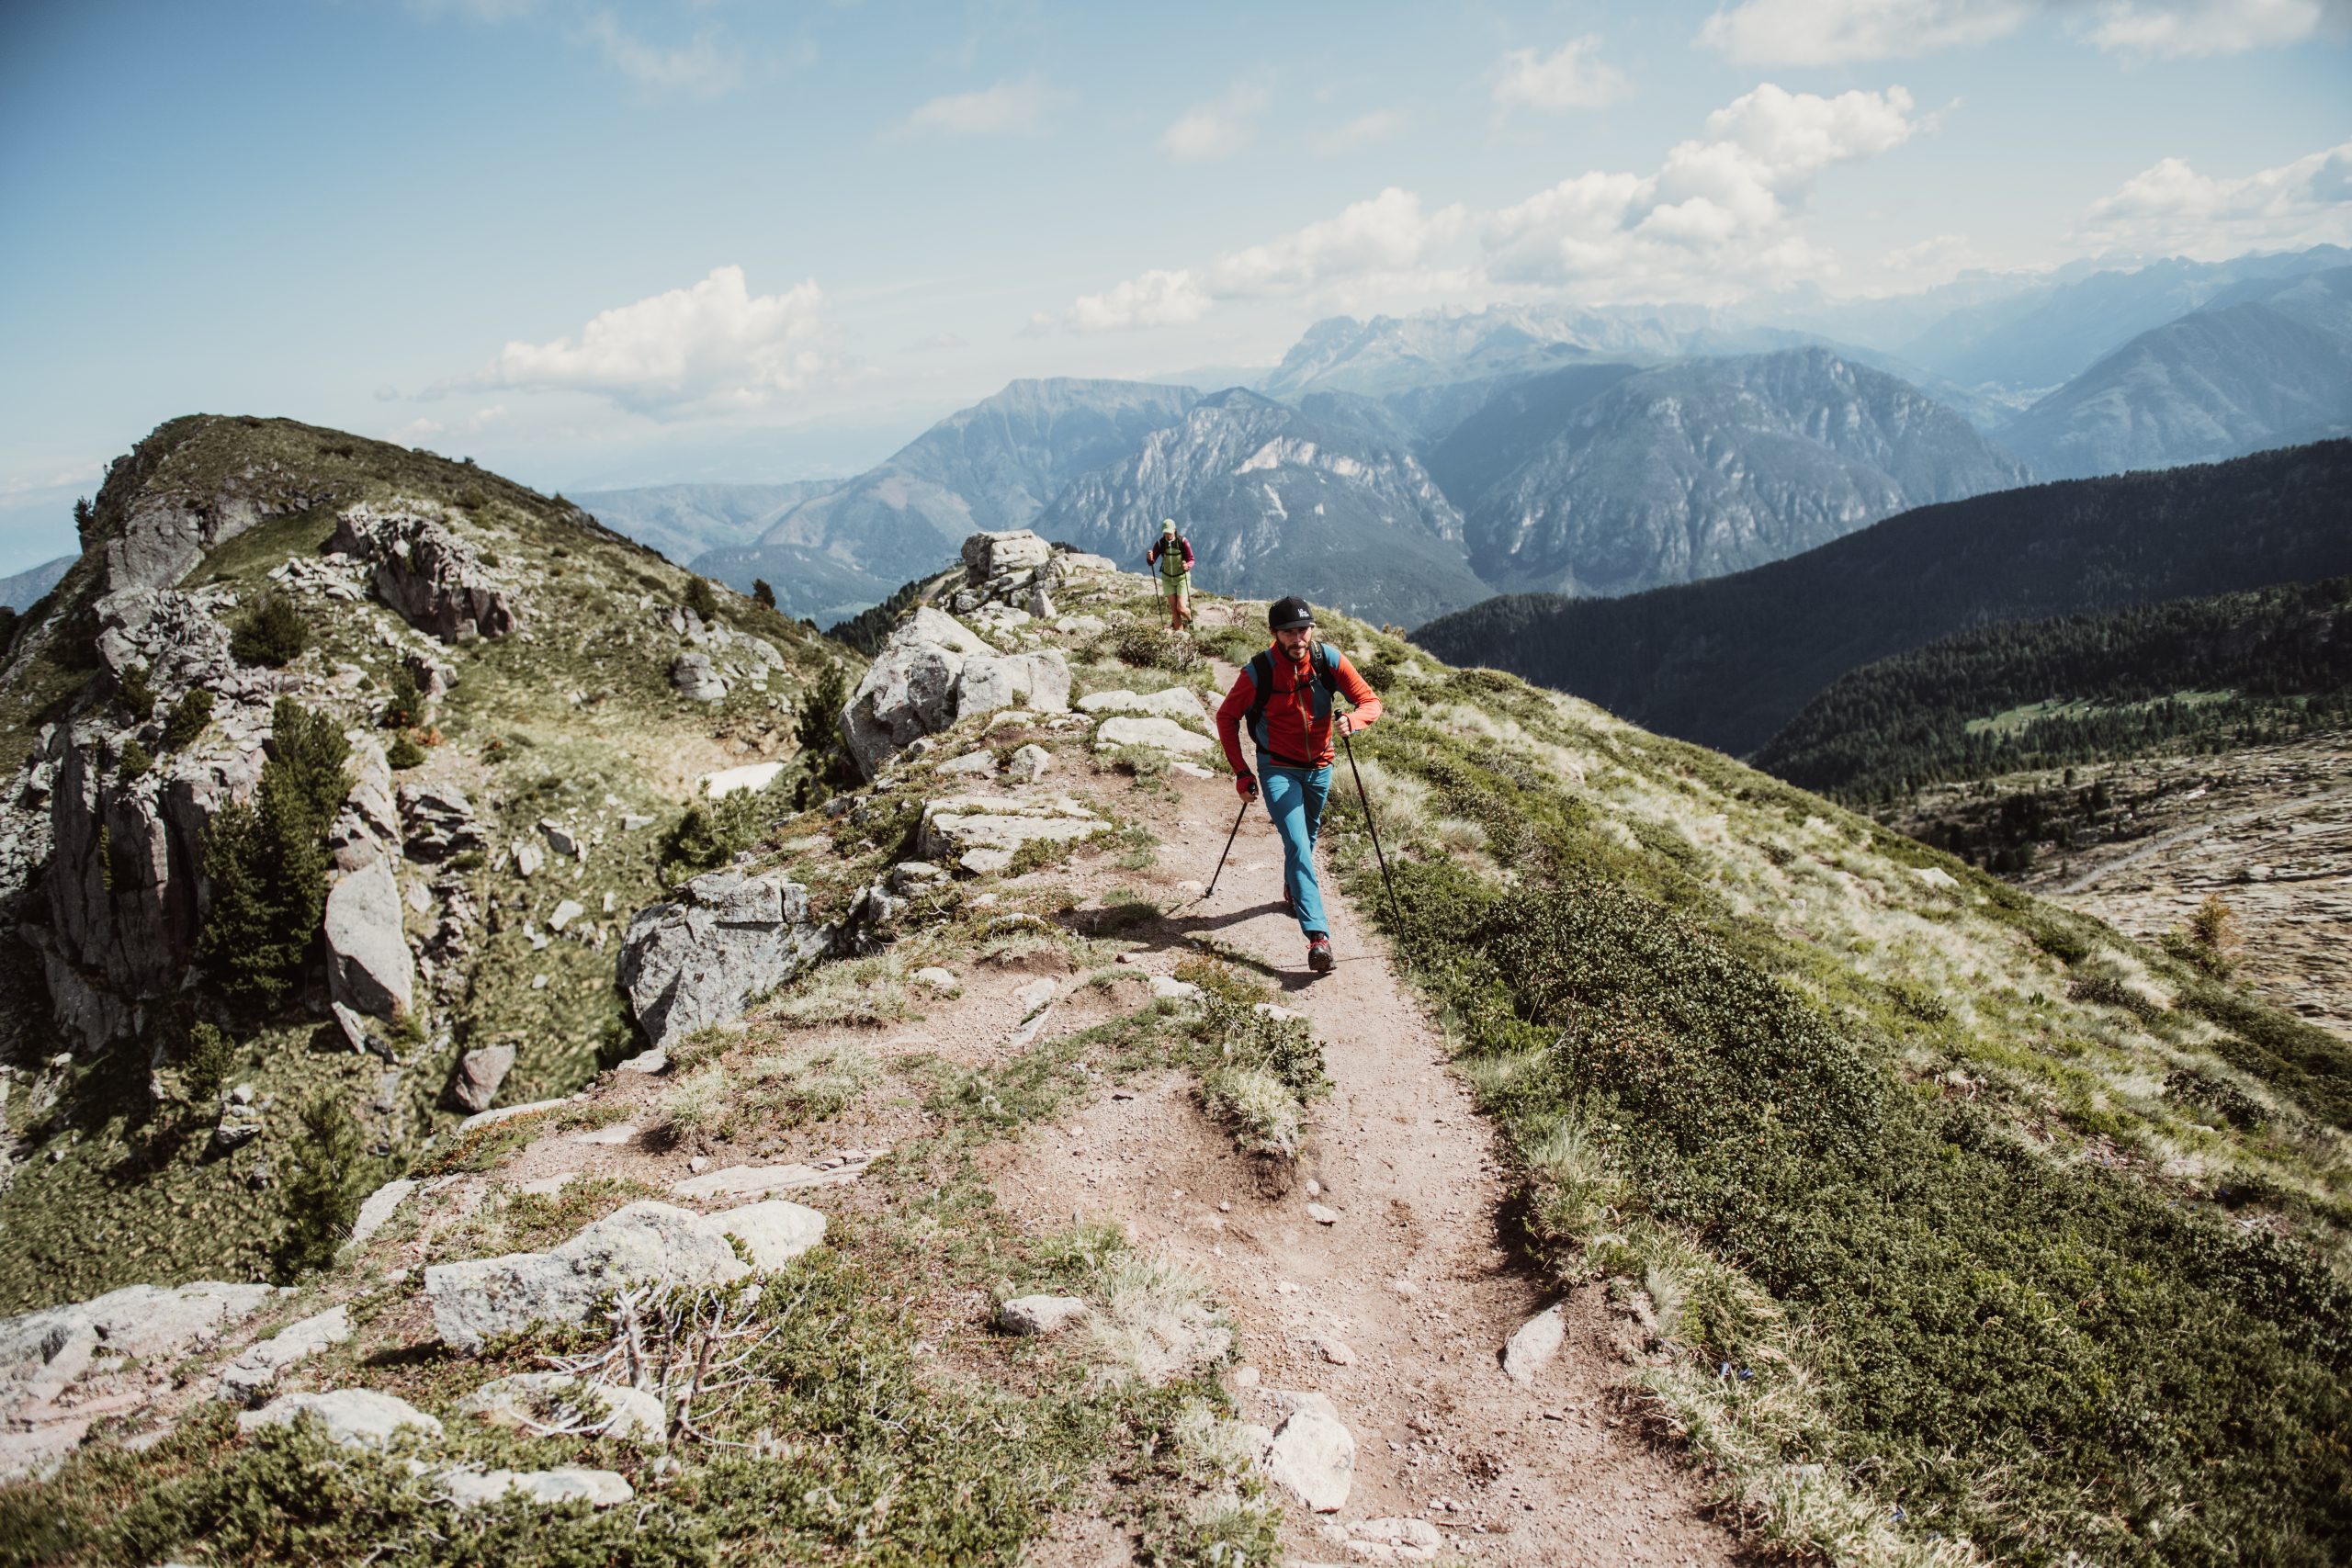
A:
(1261, 682)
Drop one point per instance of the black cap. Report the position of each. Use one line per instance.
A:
(1288, 613)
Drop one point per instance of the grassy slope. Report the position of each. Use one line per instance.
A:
(135, 1192)
(1918, 1185)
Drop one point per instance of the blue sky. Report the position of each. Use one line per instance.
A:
(613, 244)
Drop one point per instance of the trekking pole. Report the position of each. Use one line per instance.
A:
(1228, 848)
(1368, 822)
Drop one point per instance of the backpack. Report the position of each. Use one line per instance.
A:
(1174, 547)
(1320, 669)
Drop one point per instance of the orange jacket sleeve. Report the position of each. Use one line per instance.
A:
(1231, 713)
(1357, 690)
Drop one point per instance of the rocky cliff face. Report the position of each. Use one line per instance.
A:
(1710, 467)
(1277, 502)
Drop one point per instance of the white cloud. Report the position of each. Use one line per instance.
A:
(1387, 241)
(703, 69)
(713, 345)
(1364, 131)
(416, 432)
(2175, 29)
(1719, 212)
(1009, 108)
(1844, 33)
(1571, 77)
(1220, 127)
(2171, 209)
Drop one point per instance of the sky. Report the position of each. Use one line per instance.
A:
(593, 243)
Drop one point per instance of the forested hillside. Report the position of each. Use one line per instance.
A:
(2234, 668)
(1729, 661)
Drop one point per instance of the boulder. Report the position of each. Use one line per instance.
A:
(1040, 1315)
(483, 1299)
(425, 572)
(550, 1398)
(1313, 1455)
(1029, 764)
(992, 555)
(244, 1380)
(379, 1207)
(564, 1484)
(369, 826)
(480, 1073)
(1534, 1344)
(695, 679)
(368, 966)
(981, 834)
(1150, 733)
(1039, 681)
(698, 961)
(438, 820)
(352, 1418)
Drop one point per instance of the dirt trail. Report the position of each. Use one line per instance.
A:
(1398, 1310)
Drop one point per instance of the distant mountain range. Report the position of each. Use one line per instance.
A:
(2265, 362)
(1275, 503)
(23, 589)
(686, 521)
(1726, 663)
(1698, 467)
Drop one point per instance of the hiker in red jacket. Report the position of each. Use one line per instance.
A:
(1283, 699)
(1171, 556)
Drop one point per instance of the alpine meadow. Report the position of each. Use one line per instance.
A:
(1063, 786)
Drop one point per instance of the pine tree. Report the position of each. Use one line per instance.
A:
(702, 599)
(267, 862)
(323, 1189)
(763, 592)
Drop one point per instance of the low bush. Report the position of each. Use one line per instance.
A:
(273, 634)
(188, 718)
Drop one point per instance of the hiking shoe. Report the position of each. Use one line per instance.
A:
(1318, 953)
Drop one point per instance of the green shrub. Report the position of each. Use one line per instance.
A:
(763, 593)
(268, 864)
(1151, 647)
(274, 634)
(404, 752)
(135, 760)
(403, 701)
(188, 718)
(701, 598)
(210, 1060)
(325, 1183)
(136, 694)
(825, 761)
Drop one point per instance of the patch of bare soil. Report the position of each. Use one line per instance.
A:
(2268, 830)
(1400, 1307)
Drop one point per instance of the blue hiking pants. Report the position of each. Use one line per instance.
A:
(1294, 799)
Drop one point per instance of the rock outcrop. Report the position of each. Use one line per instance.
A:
(480, 1300)
(368, 966)
(426, 573)
(935, 670)
(695, 961)
(981, 834)
(65, 1367)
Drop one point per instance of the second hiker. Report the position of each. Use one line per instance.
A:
(1282, 699)
(1173, 554)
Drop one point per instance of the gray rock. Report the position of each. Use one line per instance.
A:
(991, 555)
(549, 1398)
(561, 839)
(1150, 733)
(1039, 681)
(1176, 702)
(1534, 1344)
(981, 834)
(378, 1209)
(353, 1418)
(426, 573)
(507, 1113)
(368, 966)
(529, 859)
(1040, 1315)
(1029, 764)
(699, 960)
(480, 1072)
(240, 1125)
(244, 1380)
(569, 910)
(483, 1299)
(695, 679)
(565, 1484)
(1313, 1457)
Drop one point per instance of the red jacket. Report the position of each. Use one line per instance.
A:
(1295, 730)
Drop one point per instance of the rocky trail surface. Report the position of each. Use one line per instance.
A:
(1381, 1279)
